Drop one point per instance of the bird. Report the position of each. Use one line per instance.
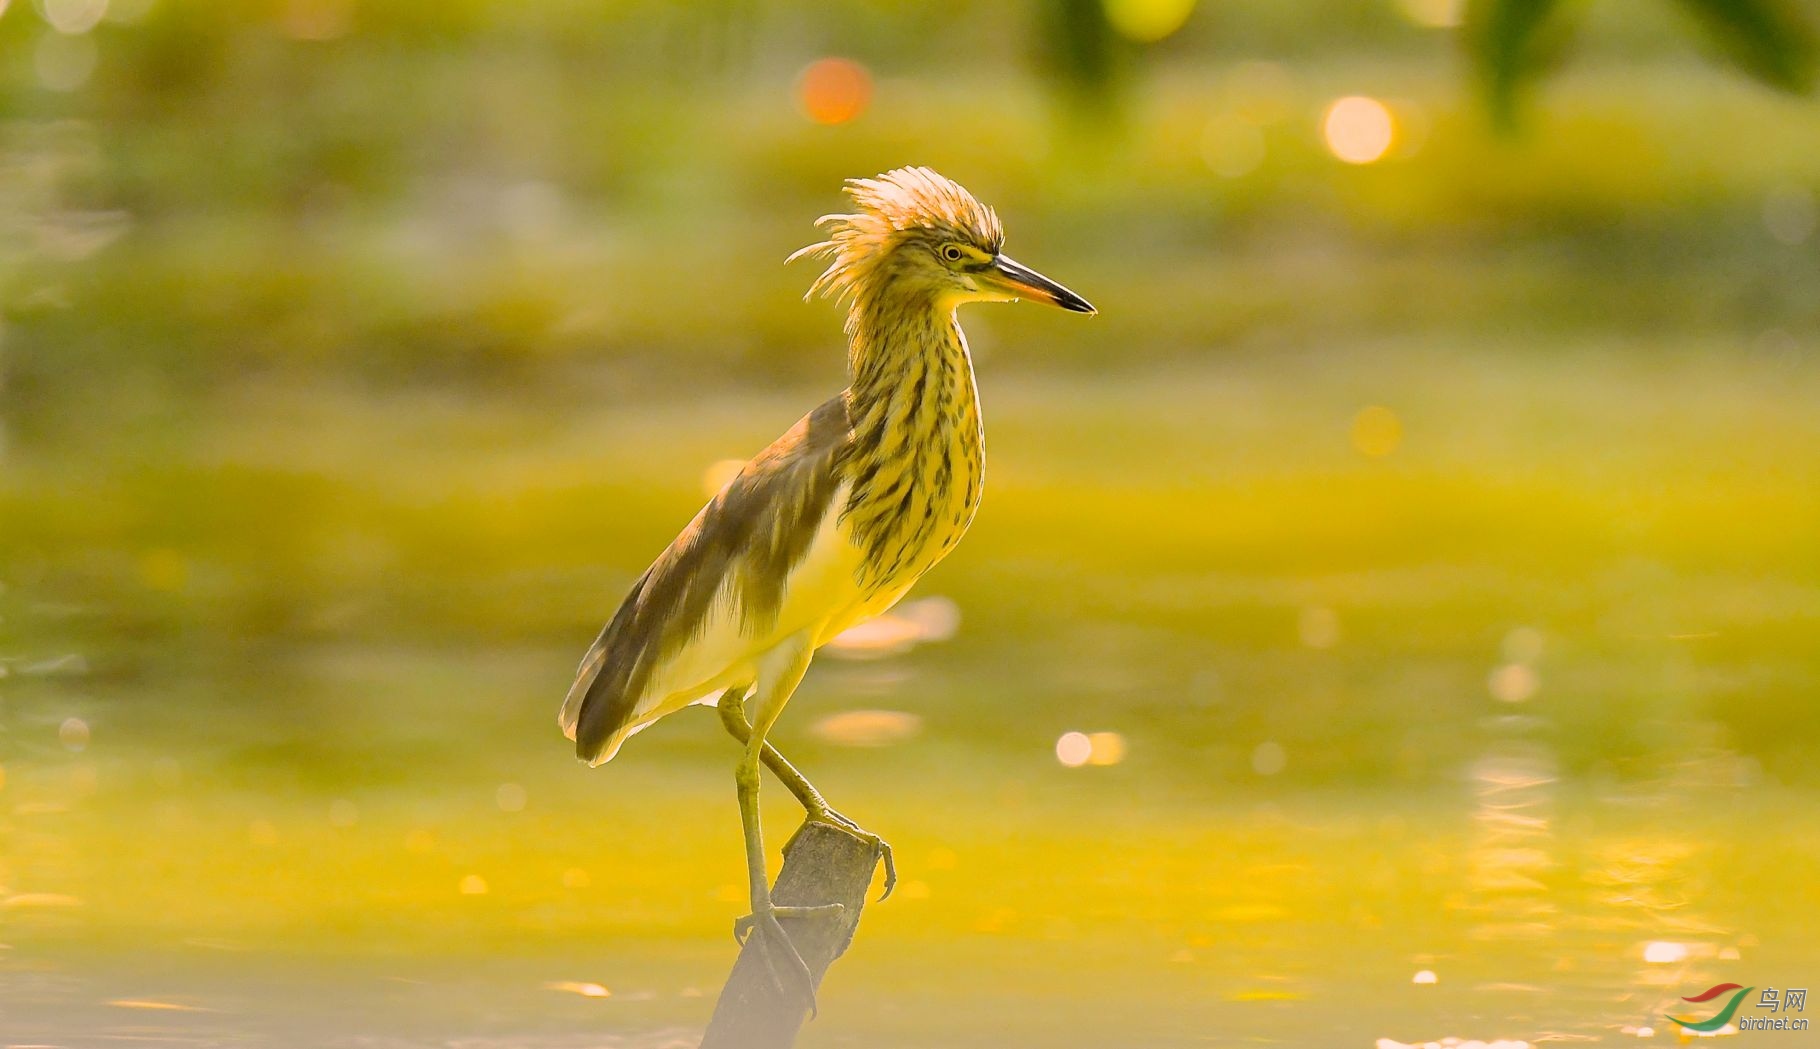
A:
(832, 523)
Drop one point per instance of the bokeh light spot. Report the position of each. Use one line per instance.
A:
(583, 988)
(883, 635)
(834, 90)
(1147, 21)
(1269, 758)
(1073, 749)
(1664, 952)
(1513, 683)
(719, 474)
(1434, 14)
(1357, 129)
(473, 885)
(1376, 431)
(152, 1005)
(938, 617)
(510, 797)
(1105, 748)
(1426, 976)
(73, 17)
(343, 813)
(73, 734)
(867, 728)
(33, 901)
(316, 19)
(899, 630)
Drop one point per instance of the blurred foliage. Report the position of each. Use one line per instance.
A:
(1769, 39)
(1510, 47)
(465, 228)
(481, 192)
(1513, 42)
(1082, 51)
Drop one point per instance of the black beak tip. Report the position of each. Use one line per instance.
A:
(1073, 303)
(1028, 283)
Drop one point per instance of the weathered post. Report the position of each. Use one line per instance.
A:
(822, 865)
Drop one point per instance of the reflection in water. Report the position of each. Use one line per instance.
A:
(1604, 940)
(1511, 912)
(1511, 856)
(1651, 895)
(1592, 936)
(1571, 917)
(584, 988)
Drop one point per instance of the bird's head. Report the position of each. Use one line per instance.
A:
(918, 233)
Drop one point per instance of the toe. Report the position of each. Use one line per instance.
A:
(782, 958)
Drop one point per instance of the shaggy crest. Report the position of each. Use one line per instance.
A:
(896, 205)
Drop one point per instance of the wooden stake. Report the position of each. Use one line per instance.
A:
(822, 865)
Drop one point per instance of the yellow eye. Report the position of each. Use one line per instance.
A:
(952, 252)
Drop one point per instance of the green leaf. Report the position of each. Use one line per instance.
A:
(1769, 39)
(1511, 43)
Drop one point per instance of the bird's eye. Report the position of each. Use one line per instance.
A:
(952, 252)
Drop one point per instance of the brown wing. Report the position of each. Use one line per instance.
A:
(740, 547)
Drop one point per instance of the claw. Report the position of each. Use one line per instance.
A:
(742, 926)
(774, 941)
(820, 910)
(884, 848)
(840, 822)
(777, 978)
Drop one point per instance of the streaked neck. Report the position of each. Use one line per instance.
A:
(905, 353)
(917, 461)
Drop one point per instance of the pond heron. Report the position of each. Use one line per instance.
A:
(832, 523)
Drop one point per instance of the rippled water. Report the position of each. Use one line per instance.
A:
(158, 900)
(1314, 750)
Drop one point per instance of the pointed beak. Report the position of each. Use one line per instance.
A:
(1015, 278)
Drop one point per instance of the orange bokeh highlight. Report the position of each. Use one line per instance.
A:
(834, 90)
(1358, 130)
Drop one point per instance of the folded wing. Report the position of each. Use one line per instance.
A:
(711, 602)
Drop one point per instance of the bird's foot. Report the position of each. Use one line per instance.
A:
(782, 960)
(841, 823)
(742, 927)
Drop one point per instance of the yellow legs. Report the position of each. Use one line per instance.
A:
(781, 956)
(815, 807)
